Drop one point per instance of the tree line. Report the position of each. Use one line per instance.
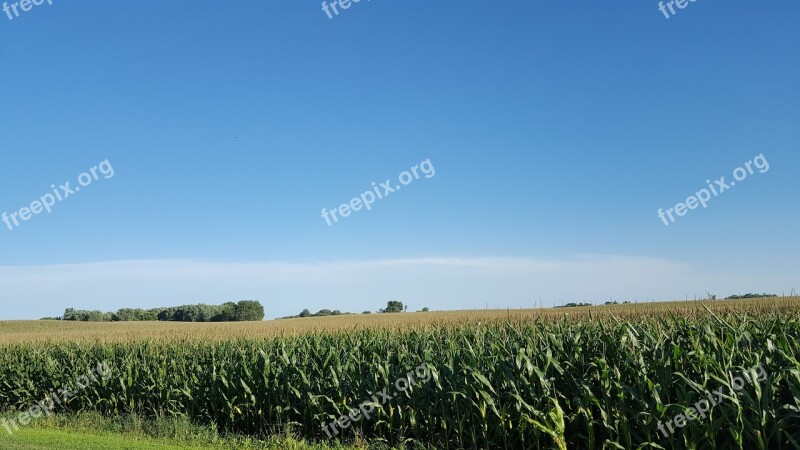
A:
(392, 306)
(710, 297)
(245, 310)
(749, 295)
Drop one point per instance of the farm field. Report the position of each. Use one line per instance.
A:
(623, 376)
(514, 225)
(22, 331)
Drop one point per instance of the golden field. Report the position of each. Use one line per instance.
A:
(60, 331)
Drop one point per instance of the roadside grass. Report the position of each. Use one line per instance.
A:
(46, 439)
(93, 431)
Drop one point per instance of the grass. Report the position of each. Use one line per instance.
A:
(92, 431)
(39, 439)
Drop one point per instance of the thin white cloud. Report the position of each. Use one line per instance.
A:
(287, 287)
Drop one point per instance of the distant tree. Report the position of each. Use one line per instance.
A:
(166, 314)
(69, 314)
(245, 310)
(320, 313)
(131, 314)
(96, 316)
(99, 316)
(248, 311)
(393, 306)
(206, 312)
(366, 312)
(86, 316)
(226, 313)
(573, 305)
(425, 309)
(749, 295)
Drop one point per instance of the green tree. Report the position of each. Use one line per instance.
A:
(69, 314)
(130, 314)
(227, 312)
(86, 316)
(393, 306)
(248, 310)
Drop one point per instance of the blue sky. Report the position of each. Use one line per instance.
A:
(557, 130)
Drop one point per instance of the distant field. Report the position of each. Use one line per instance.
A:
(55, 331)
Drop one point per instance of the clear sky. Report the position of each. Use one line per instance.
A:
(556, 130)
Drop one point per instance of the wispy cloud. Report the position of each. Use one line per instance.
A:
(287, 287)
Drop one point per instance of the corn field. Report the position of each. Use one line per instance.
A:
(562, 383)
